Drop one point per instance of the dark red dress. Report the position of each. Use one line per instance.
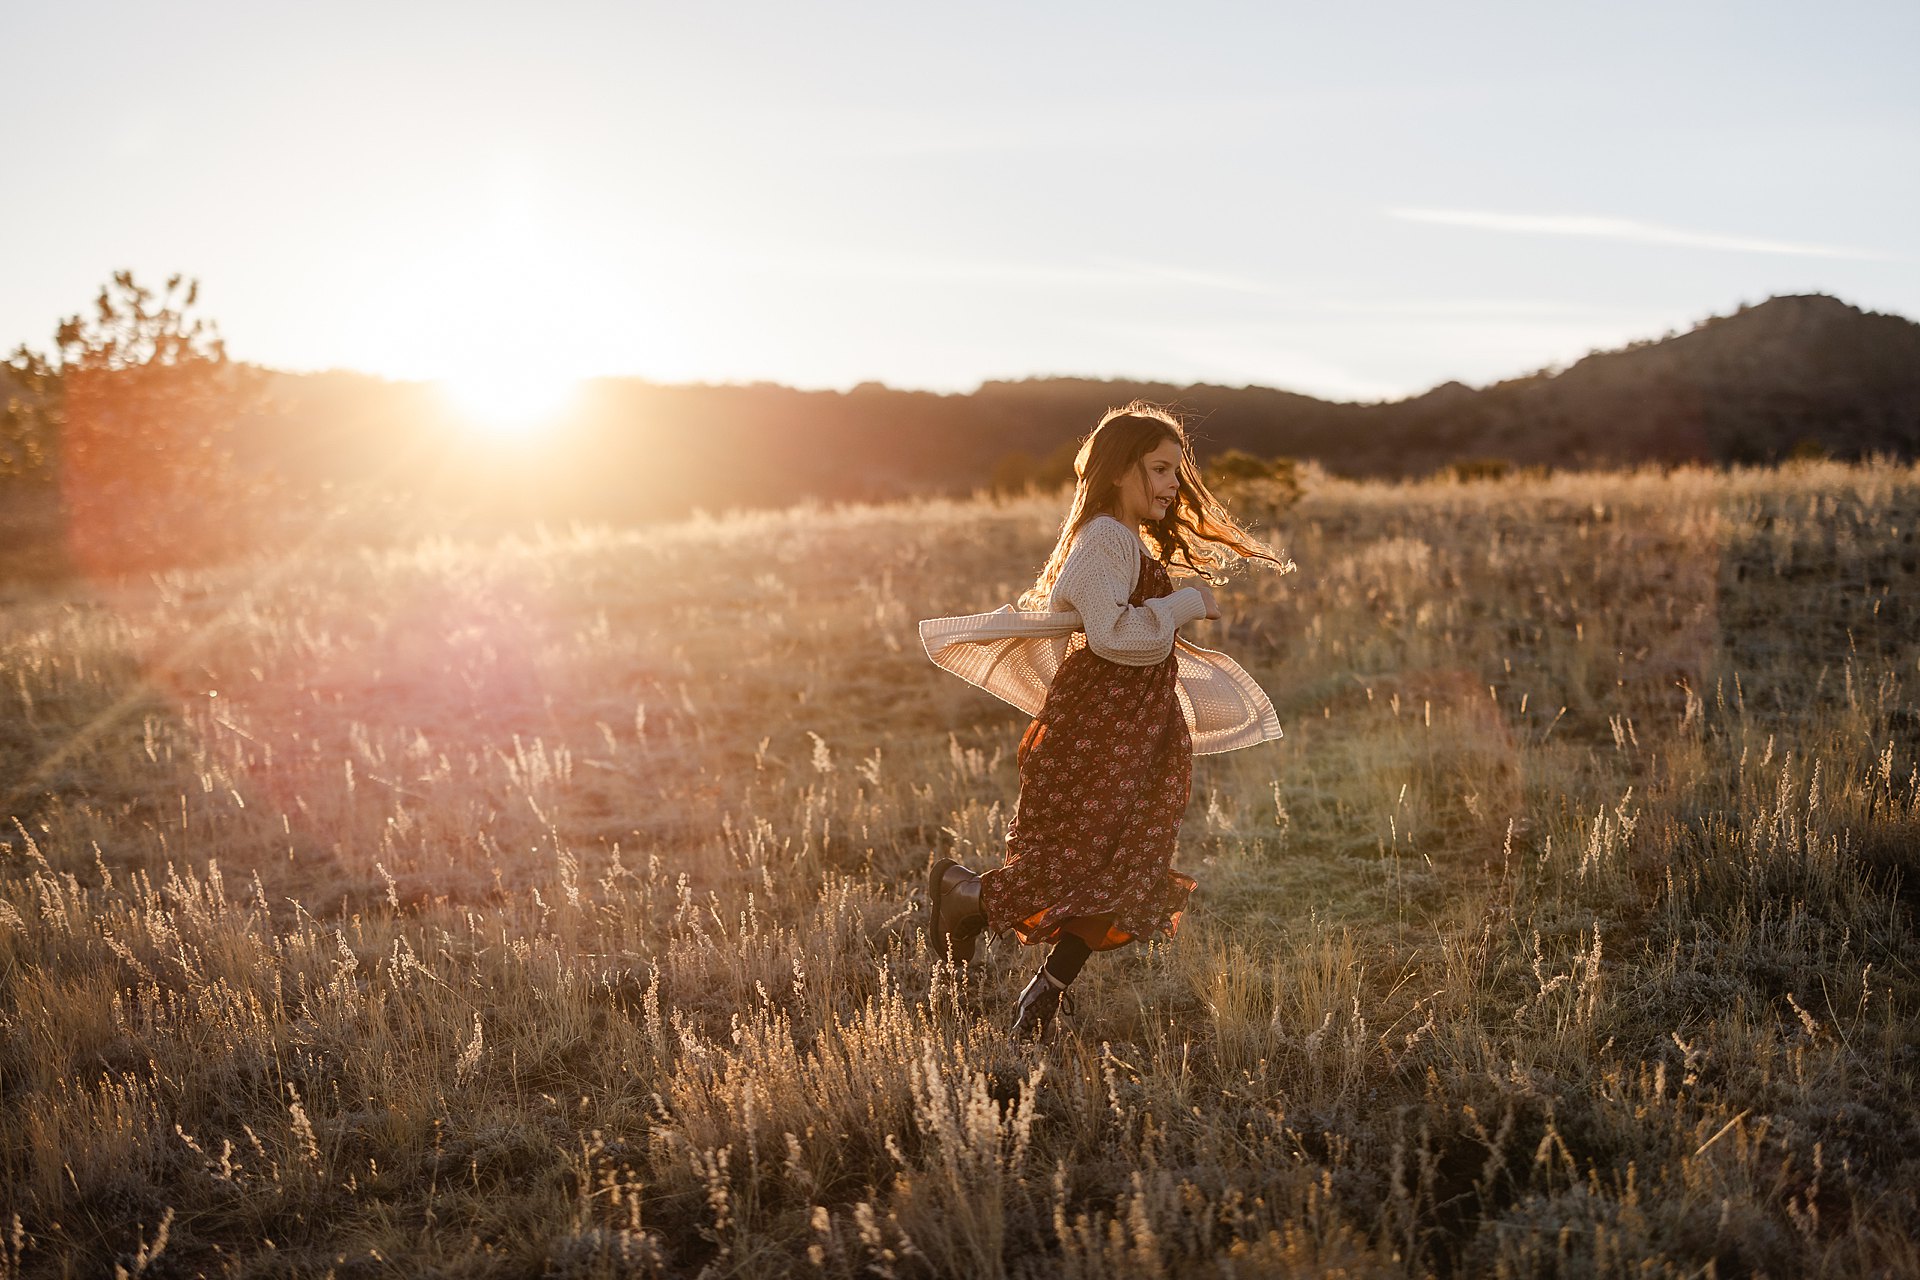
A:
(1105, 773)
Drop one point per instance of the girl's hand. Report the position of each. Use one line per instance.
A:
(1206, 594)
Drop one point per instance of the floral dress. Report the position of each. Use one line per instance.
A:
(1106, 769)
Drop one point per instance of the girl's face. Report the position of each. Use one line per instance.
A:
(1148, 490)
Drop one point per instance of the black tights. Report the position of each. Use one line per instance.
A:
(1068, 955)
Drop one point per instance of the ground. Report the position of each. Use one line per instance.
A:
(549, 905)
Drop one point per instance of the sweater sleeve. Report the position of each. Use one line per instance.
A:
(1097, 579)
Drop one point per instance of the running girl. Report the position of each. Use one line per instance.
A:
(1120, 705)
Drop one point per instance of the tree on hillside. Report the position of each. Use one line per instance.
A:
(28, 381)
(131, 417)
(1280, 476)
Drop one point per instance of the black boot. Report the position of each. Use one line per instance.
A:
(1045, 997)
(954, 918)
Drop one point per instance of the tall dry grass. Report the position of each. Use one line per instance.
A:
(548, 906)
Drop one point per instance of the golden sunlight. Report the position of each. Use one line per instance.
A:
(508, 400)
(515, 302)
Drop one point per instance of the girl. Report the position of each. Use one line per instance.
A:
(1120, 704)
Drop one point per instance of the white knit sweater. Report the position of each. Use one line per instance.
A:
(1101, 570)
(1014, 655)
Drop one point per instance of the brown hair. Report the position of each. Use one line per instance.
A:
(1196, 532)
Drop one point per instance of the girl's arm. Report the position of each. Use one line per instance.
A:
(1096, 580)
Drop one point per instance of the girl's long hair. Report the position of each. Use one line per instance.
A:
(1196, 532)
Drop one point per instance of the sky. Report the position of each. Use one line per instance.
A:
(1353, 201)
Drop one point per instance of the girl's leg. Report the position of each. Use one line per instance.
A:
(1047, 992)
(962, 887)
(954, 918)
(1068, 955)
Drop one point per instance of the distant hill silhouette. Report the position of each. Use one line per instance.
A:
(1801, 372)
(1791, 374)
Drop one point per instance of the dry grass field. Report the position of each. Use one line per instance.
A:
(551, 906)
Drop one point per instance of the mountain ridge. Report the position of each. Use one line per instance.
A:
(1791, 375)
(1806, 371)
(1800, 372)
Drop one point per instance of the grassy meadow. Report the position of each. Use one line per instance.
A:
(552, 905)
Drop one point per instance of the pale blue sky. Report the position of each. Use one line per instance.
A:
(1354, 201)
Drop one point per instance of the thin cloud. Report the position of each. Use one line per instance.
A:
(1095, 272)
(1464, 309)
(1181, 275)
(1628, 230)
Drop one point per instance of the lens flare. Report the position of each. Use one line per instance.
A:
(510, 402)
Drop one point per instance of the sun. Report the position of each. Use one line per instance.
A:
(510, 400)
(504, 310)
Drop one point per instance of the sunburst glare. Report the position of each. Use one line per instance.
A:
(509, 399)
(515, 306)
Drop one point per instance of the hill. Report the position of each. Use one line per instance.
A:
(1803, 373)
(1794, 372)
(1807, 372)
